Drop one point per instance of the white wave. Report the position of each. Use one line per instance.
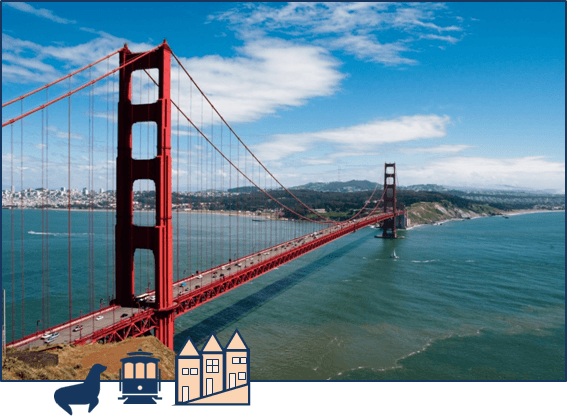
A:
(56, 234)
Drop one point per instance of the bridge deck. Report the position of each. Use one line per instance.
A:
(115, 323)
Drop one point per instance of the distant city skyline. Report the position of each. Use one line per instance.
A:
(457, 94)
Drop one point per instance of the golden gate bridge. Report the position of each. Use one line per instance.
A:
(160, 110)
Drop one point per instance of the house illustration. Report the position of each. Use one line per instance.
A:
(214, 375)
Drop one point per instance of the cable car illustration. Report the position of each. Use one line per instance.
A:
(140, 378)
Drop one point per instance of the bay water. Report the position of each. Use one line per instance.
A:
(481, 299)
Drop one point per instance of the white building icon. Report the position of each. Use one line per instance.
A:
(214, 375)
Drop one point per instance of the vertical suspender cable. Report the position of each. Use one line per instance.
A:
(150, 126)
(22, 216)
(212, 190)
(91, 195)
(47, 216)
(238, 192)
(89, 192)
(42, 218)
(190, 186)
(178, 167)
(229, 196)
(201, 220)
(245, 228)
(139, 194)
(69, 208)
(222, 203)
(12, 207)
(107, 186)
(114, 182)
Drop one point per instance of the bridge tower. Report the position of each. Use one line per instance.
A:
(129, 237)
(389, 226)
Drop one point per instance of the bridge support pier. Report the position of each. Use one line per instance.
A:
(129, 237)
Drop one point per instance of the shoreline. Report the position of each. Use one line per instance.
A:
(504, 214)
(270, 218)
(173, 212)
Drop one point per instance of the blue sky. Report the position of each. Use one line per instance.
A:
(458, 94)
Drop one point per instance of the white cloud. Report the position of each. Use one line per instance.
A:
(442, 149)
(24, 61)
(452, 40)
(356, 139)
(60, 134)
(45, 13)
(266, 76)
(529, 171)
(356, 28)
(367, 48)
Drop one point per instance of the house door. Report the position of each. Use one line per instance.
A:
(231, 380)
(185, 393)
(209, 386)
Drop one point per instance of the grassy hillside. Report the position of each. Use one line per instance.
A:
(432, 212)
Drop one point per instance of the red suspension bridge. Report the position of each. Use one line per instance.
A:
(208, 171)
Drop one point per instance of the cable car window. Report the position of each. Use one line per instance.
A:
(140, 373)
(128, 370)
(150, 370)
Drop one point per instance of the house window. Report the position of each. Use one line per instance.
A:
(194, 371)
(235, 360)
(242, 376)
(185, 371)
(212, 366)
(242, 360)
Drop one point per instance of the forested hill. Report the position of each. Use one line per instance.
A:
(338, 205)
(350, 186)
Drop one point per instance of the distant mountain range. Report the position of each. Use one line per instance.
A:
(350, 186)
(507, 197)
(357, 186)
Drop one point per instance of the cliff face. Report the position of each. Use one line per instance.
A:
(433, 212)
(70, 362)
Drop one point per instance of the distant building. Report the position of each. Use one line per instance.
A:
(215, 374)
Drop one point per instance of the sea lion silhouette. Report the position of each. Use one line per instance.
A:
(83, 393)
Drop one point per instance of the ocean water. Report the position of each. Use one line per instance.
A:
(469, 300)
